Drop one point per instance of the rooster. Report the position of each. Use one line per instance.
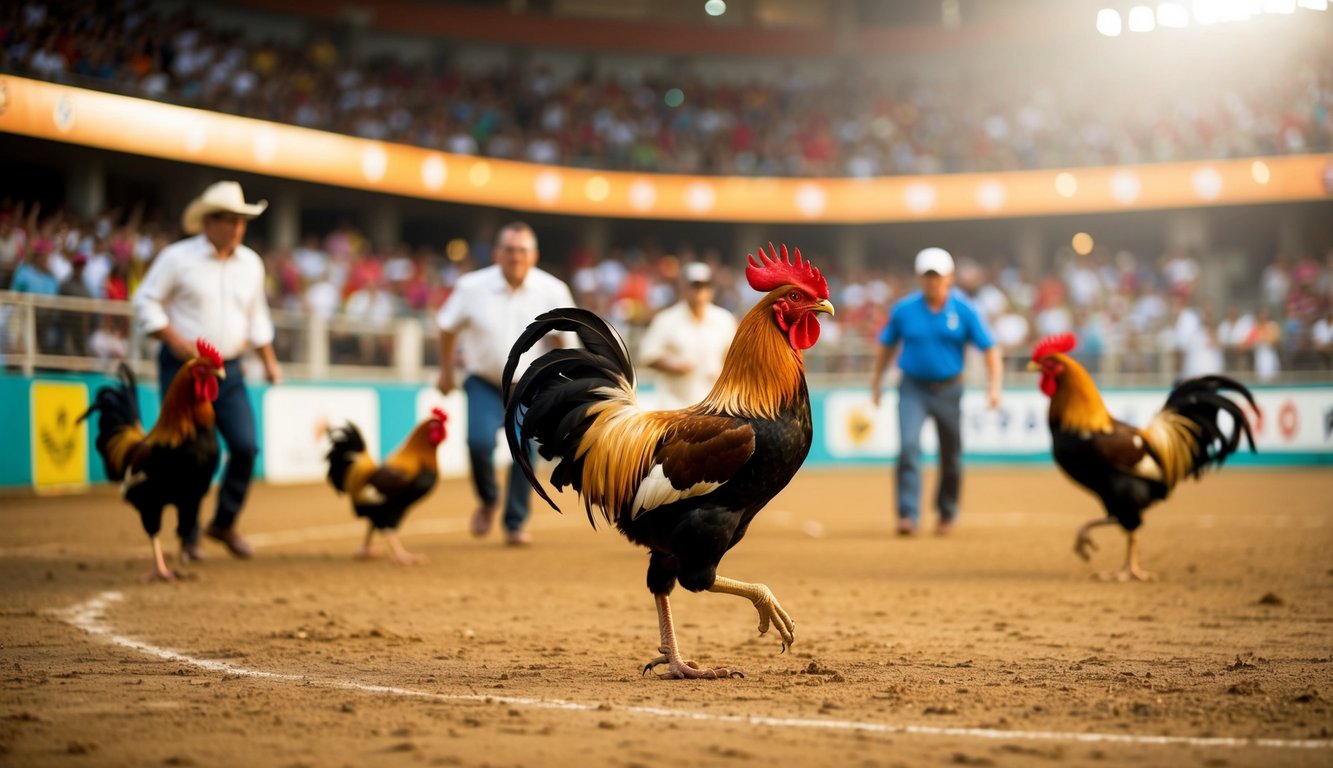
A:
(173, 463)
(684, 483)
(382, 494)
(1130, 468)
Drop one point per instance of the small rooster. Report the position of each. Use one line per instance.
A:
(685, 483)
(1129, 468)
(383, 494)
(174, 462)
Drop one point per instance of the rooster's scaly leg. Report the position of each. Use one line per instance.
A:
(1131, 571)
(764, 602)
(401, 555)
(367, 550)
(677, 668)
(1083, 543)
(160, 570)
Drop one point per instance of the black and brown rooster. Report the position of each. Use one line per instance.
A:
(684, 483)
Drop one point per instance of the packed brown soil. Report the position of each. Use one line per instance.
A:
(994, 646)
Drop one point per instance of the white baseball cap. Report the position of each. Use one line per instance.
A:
(698, 272)
(935, 260)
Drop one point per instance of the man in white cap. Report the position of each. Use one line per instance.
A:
(931, 329)
(687, 341)
(210, 285)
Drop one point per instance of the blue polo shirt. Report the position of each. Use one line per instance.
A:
(933, 342)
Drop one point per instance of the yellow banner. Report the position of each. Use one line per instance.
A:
(138, 126)
(59, 445)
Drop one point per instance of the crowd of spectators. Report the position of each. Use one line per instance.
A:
(852, 124)
(1129, 311)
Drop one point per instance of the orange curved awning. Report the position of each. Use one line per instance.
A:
(150, 128)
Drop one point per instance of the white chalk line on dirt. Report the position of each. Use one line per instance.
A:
(90, 617)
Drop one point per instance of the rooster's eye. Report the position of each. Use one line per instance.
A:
(795, 296)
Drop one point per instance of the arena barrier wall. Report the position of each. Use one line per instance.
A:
(48, 451)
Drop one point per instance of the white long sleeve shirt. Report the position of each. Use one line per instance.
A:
(199, 293)
(489, 316)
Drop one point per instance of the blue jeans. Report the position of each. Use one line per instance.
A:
(485, 417)
(917, 400)
(236, 426)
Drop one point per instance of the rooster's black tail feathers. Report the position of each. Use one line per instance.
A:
(347, 444)
(551, 402)
(1201, 400)
(118, 406)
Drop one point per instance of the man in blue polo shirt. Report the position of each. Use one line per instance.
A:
(931, 328)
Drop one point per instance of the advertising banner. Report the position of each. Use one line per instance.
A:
(59, 445)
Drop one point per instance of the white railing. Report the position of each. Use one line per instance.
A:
(76, 334)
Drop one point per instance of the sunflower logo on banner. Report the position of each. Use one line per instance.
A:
(59, 443)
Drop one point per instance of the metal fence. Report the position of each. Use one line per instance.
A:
(58, 333)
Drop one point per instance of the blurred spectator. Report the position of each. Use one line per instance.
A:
(13, 241)
(1233, 333)
(34, 276)
(1264, 339)
(1321, 337)
(1196, 333)
(373, 309)
(76, 326)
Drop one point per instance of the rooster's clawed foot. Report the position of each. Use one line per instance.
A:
(687, 670)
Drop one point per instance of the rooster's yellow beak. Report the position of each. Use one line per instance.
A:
(220, 373)
(1033, 366)
(823, 306)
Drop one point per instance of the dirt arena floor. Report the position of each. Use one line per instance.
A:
(993, 647)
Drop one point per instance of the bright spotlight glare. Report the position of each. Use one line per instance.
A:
(1141, 19)
(1217, 11)
(1314, 5)
(1108, 22)
(715, 7)
(1082, 243)
(1260, 172)
(1172, 15)
(1279, 6)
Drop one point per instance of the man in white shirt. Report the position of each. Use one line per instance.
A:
(210, 285)
(687, 342)
(486, 313)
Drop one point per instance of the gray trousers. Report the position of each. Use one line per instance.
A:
(916, 401)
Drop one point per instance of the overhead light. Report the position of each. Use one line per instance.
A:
(715, 7)
(1216, 11)
(1082, 243)
(1108, 22)
(1173, 15)
(1141, 19)
(1260, 172)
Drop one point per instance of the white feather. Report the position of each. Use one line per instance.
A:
(656, 490)
(369, 495)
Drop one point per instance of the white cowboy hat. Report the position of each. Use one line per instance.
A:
(224, 196)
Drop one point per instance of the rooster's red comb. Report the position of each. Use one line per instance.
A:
(209, 352)
(1059, 343)
(772, 271)
(436, 413)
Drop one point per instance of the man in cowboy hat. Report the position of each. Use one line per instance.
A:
(210, 285)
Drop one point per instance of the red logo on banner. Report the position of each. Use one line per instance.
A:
(1288, 420)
